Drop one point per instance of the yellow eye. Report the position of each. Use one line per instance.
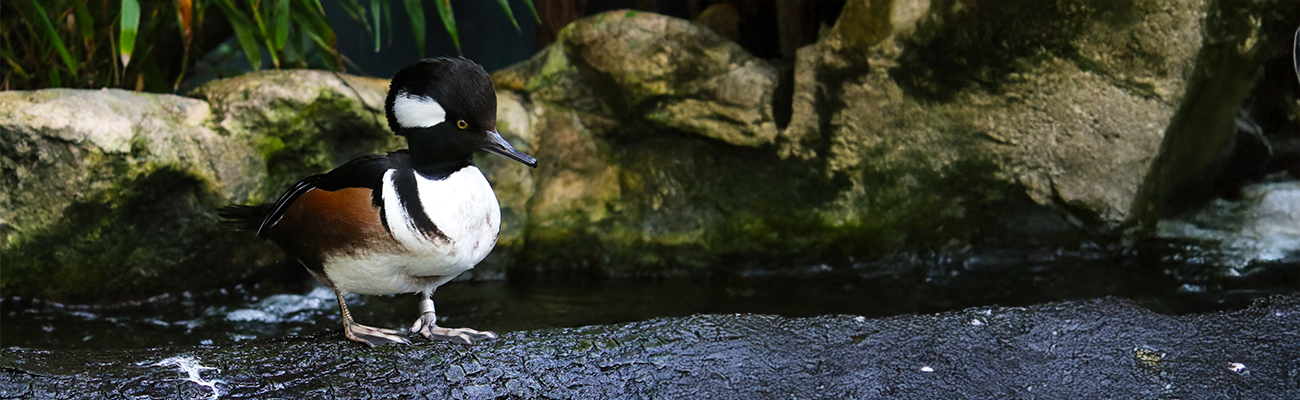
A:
(462, 124)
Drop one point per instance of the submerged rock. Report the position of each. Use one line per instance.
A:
(1105, 348)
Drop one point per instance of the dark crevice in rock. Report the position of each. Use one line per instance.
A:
(1215, 143)
(783, 97)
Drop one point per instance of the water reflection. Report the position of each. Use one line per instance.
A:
(1166, 276)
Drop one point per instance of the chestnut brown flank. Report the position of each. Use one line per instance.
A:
(321, 223)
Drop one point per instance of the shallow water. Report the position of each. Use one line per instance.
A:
(1166, 276)
(1264, 224)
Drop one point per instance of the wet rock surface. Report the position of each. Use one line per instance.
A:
(1107, 348)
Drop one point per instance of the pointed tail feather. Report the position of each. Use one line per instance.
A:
(242, 217)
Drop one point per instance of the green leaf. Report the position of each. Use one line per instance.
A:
(58, 42)
(245, 33)
(281, 24)
(448, 21)
(534, 10)
(130, 25)
(86, 23)
(319, 32)
(267, 36)
(415, 9)
(505, 6)
(355, 12)
(13, 64)
(54, 78)
(375, 13)
(388, 21)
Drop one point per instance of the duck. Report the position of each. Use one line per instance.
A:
(406, 221)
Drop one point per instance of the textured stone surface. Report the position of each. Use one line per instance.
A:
(907, 126)
(633, 75)
(1202, 137)
(1063, 104)
(301, 122)
(666, 149)
(111, 195)
(1105, 348)
(108, 194)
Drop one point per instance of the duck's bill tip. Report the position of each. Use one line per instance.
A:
(499, 145)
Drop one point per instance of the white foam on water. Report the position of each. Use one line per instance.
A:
(284, 307)
(193, 372)
(1264, 225)
(249, 315)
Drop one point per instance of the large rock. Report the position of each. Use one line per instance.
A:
(632, 75)
(665, 148)
(907, 126)
(1204, 138)
(1105, 348)
(109, 194)
(300, 122)
(967, 117)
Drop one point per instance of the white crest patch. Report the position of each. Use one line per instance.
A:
(417, 111)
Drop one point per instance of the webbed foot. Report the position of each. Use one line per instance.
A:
(373, 336)
(427, 326)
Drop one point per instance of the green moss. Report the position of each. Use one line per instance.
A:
(555, 68)
(690, 204)
(148, 234)
(301, 140)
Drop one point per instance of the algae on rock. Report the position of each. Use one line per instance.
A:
(910, 126)
(302, 122)
(663, 147)
(109, 195)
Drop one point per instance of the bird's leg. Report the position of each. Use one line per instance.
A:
(427, 326)
(366, 334)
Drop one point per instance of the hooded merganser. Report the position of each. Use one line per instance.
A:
(407, 221)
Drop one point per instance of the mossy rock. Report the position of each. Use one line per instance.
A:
(109, 195)
(1034, 135)
(301, 122)
(636, 74)
(112, 195)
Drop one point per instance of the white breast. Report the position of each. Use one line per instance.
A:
(463, 207)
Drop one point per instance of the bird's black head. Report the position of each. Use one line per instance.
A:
(447, 108)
